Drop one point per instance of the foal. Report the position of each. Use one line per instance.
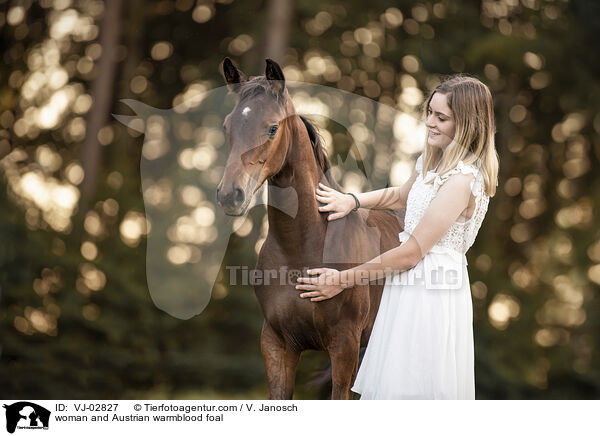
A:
(271, 142)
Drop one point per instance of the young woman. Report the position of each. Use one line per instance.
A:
(421, 346)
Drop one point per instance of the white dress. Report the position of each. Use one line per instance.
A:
(421, 346)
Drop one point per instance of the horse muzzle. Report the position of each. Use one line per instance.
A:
(231, 200)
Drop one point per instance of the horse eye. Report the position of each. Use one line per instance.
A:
(273, 129)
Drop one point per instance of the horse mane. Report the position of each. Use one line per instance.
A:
(320, 156)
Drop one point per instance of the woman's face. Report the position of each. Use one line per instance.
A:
(440, 122)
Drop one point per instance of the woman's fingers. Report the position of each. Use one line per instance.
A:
(325, 187)
(326, 194)
(306, 287)
(335, 216)
(325, 208)
(323, 199)
(311, 280)
(314, 296)
(310, 294)
(319, 299)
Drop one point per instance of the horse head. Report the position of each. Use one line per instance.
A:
(257, 132)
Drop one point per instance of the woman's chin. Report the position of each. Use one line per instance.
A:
(433, 143)
(436, 144)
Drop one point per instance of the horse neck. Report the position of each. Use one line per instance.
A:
(306, 230)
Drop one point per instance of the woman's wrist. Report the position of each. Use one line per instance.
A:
(354, 200)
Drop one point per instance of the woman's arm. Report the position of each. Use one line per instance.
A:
(387, 198)
(341, 204)
(451, 200)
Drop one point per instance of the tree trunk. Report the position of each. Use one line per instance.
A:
(102, 95)
(279, 17)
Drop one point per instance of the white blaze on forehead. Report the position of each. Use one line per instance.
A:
(246, 110)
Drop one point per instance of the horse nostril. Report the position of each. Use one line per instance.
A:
(238, 196)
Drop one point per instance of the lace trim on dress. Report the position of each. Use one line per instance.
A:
(461, 234)
(460, 168)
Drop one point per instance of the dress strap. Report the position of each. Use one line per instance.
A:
(461, 168)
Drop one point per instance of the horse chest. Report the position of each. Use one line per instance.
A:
(299, 321)
(283, 303)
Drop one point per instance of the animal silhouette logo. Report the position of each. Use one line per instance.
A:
(184, 154)
(26, 415)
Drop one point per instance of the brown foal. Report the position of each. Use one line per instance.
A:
(271, 142)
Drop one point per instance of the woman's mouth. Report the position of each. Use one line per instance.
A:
(434, 133)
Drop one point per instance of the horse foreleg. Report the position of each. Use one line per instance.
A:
(280, 364)
(344, 364)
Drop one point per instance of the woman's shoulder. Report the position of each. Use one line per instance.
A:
(466, 168)
(468, 173)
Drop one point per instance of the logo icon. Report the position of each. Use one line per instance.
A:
(26, 415)
(184, 157)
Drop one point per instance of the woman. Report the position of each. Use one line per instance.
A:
(421, 346)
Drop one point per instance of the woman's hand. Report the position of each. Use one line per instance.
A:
(336, 202)
(329, 283)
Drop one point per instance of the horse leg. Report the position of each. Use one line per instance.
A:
(280, 364)
(344, 364)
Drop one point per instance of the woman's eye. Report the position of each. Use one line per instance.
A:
(441, 119)
(273, 129)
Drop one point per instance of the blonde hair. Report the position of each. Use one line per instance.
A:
(473, 111)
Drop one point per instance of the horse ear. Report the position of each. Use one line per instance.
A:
(275, 75)
(233, 77)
